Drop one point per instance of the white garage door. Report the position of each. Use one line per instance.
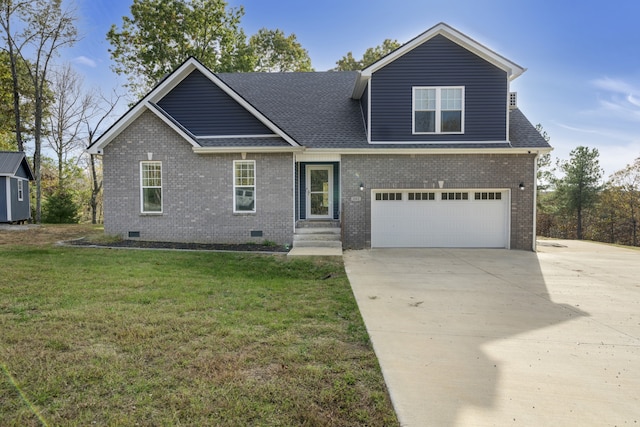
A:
(440, 219)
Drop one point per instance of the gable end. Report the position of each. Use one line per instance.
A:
(204, 109)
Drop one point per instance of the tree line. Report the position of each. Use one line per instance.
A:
(574, 201)
(47, 111)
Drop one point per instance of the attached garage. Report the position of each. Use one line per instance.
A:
(440, 219)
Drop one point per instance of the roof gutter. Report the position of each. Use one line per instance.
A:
(381, 151)
(223, 150)
(387, 151)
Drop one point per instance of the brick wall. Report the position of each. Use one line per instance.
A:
(197, 190)
(424, 171)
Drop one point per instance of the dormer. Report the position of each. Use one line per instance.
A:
(440, 87)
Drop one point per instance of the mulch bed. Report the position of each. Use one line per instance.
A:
(247, 247)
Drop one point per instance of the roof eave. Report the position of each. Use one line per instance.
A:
(222, 150)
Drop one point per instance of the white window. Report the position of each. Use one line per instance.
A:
(455, 196)
(438, 110)
(20, 190)
(488, 195)
(151, 187)
(389, 196)
(244, 186)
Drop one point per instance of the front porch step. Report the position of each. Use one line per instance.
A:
(323, 223)
(317, 244)
(319, 230)
(326, 235)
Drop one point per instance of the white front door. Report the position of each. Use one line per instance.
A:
(319, 192)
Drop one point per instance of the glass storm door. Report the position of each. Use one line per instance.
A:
(319, 192)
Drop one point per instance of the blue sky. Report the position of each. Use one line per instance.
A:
(583, 58)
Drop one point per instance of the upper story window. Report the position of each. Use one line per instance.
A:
(438, 110)
(151, 187)
(244, 186)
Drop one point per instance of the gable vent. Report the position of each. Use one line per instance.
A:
(513, 100)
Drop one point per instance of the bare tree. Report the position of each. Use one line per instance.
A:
(101, 109)
(66, 116)
(45, 29)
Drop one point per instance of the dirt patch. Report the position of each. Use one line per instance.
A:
(247, 247)
(93, 235)
(40, 235)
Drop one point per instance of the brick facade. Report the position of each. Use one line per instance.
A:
(197, 190)
(424, 171)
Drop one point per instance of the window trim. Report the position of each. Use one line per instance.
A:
(20, 190)
(438, 110)
(143, 187)
(235, 186)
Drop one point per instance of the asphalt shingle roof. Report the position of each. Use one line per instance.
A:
(316, 109)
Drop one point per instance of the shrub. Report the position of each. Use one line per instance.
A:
(60, 208)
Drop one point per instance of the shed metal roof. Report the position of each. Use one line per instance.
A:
(10, 161)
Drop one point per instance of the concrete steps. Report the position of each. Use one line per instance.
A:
(317, 234)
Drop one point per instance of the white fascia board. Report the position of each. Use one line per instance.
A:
(423, 151)
(121, 124)
(427, 143)
(190, 138)
(222, 150)
(270, 135)
(243, 102)
(136, 111)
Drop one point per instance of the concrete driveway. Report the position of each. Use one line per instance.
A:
(496, 337)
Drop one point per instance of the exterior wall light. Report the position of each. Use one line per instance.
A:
(521, 186)
(361, 187)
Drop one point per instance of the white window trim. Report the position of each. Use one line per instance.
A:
(20, 190)
(438, 110)
(255, 178)
(142, 187)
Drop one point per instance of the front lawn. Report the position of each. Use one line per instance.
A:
(133, 337)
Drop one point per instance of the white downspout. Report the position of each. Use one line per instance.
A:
(535, 200)
(9, 207)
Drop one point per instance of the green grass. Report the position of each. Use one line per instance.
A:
(121, 337)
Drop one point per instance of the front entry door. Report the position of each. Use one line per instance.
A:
(319, 191)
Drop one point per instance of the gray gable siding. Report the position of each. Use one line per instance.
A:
(439, 62)
(204, 109)
(22, 171)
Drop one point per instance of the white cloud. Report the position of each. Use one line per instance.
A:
(615, 85)
(633, 100)
(620, 100)
(83, 60)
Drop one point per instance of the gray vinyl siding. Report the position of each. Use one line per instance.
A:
(206, 110)
(439, 62)
(20, 210)
(197, 190)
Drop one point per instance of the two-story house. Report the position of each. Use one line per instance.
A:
(423, 148)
